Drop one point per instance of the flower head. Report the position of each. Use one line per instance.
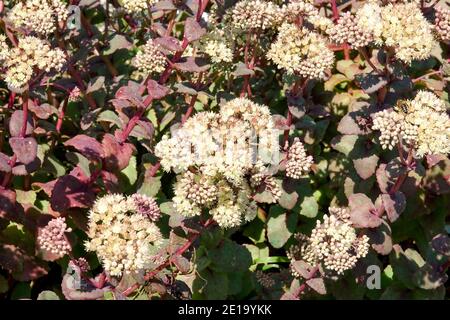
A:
(52, 237)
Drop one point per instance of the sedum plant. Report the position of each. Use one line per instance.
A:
(247, 149)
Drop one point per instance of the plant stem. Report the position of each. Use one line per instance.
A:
(61, 115)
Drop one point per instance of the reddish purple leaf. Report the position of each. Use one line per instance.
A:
(365, 167)
(71, 192)
(4, 163)
(394, 204)
(318, 285)
(433, 159)
(24, 148)
(130, 92)
(169, 43)
(25, 169)
(363, 211)
(16, 122)
(88, 146)
(191, 64)
(43, 111)
(23, 266)
(155, 90)
(380, 238)
(117, 156)
(193, 30)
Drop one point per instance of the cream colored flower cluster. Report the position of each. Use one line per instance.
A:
(137, 6)
(423, 123)
(52, 238)
(298, 162)
(229, 204)
(150, 59)
(255, 15)
(39, 16)
(224, 143)
(31, 54)
(442, 23)
(221, 148)
(301, 51)
(218, 50)
(401, 26)
(348, 31)
(333, 243)
(122, 237)
(295, 10)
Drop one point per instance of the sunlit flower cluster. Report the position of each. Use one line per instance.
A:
(222, 149)
(334, 244)
(442, 23)
(30, 55)
(298, 162)
(52, 238)
(150, 59)
(39, 16)
(401, 26)
(255, 15)
(224, 143)
(137, 6)
(301, 51)
(218, 51)
(422, 123)
(348, 31)
(123, 238)
(298, 10)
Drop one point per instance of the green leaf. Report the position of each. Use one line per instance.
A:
(150, 186)
(210, 285)
(3, 284)
(110, 116)
(47, 295)
(230, 257)
(280, 226)
(309, 207)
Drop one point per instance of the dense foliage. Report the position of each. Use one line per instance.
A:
(251, 149)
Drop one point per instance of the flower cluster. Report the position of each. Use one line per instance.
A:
(218, 51)
(52, 238)
(442, 23)
(302, 51)
(298, 162)
(30, 54)
(422, 123)
(300, 9)
(255, 15)
(150, 59)
(122, 235)
(347, 30)
(333, 243)
(39, 16)
(224, 143)
(137, 6)
(146, 206)
(401, 26)
(221, 148)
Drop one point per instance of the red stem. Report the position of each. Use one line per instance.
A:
(61, 115)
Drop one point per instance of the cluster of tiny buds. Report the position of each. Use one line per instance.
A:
(264, 279)
(146, 206)
(52, 238)
(74, 94)
(150, 58)
(298, 162)
(199, 190)
(348, 31)
(442, 23)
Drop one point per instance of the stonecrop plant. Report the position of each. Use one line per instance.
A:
(210, 149)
